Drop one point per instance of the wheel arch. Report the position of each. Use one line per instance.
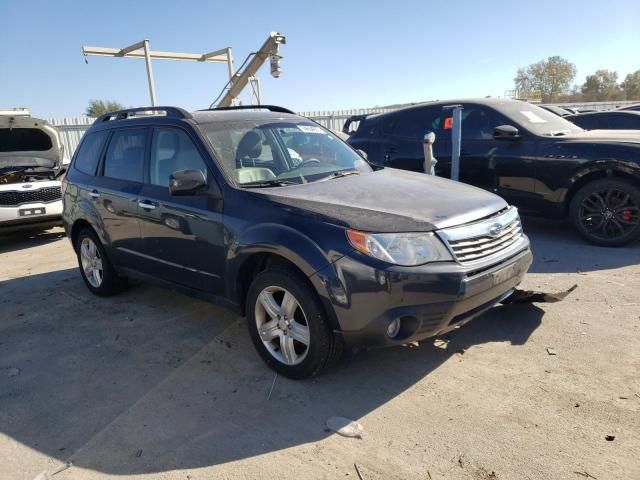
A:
(589, 175)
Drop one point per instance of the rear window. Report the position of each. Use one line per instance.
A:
(24, 140)
(88, 154)
(125, 155)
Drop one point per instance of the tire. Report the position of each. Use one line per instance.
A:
(282, 344)
(606, 212)
(106, 283)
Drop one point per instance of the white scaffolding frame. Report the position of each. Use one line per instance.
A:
(142, 50)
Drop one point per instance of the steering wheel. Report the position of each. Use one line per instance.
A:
(308, 161)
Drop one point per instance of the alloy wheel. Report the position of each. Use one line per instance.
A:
(282, 325)
(609, 214)
(91, 262)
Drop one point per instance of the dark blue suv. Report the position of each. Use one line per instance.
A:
(271, 214)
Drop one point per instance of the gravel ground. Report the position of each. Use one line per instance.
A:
(155, 384)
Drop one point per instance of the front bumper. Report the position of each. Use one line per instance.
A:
(11, 219)
(431, 299)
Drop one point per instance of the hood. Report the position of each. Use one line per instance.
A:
(29, 142)
(604, 136)
(389, 200)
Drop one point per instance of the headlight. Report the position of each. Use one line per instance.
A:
(406, 249)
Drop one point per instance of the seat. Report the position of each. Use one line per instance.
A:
(249, 149)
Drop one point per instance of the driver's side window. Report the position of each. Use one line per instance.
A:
(172, 150)
(479, 123)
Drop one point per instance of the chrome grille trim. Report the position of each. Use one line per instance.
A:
(475, 242)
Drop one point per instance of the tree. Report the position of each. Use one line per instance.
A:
(631, 86)
(99, 107)
(551, 78)
(601, 86)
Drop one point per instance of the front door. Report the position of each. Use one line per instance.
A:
(502, 166)
(182, 236)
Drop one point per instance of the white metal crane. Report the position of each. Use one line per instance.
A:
(271, 50)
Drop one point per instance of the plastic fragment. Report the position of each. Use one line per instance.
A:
(345, 427)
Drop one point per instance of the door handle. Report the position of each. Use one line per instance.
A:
(94, 194)
(146, 205)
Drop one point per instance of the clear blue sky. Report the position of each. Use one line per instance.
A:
(340, 54)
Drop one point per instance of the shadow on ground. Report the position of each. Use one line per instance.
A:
(152, 381)
(29, 238)
(557, 248)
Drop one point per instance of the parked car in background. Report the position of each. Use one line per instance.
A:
(560, 111)
(611, 120)
(634, 107)
(275, 216)
(32, 161)
(536, 160)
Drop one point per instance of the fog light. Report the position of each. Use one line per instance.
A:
(394, 328)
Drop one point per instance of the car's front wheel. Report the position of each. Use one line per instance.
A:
(287, 324)
(606, 212)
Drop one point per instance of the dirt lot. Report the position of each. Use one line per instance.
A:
(155, 384)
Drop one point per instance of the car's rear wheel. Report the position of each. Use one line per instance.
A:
(287, 324)
(606, 212)
(97, 272)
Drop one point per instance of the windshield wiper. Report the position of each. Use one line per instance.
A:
(558, 133)
(340, 174)
(269, 183)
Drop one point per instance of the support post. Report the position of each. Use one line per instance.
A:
(152, 88)
(456, 138)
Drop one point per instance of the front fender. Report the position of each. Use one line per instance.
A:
(285, 242)
(75, 209)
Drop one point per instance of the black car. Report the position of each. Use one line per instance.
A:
(634, 107)
(611, 120)
(271, 214)
(538, 161)
(560, 111)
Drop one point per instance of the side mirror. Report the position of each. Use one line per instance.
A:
(508, 132)
(363, 154)
(186, 182)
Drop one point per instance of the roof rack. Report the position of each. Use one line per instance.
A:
(174, 112)
(271, 108)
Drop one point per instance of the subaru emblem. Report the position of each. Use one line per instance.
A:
(495, 229)
(27, 185)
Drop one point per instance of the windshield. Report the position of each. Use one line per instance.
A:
(536, 119)
(277, 153)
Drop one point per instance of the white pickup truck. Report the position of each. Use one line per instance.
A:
(32, 163)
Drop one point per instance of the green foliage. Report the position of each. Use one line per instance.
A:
(631, 86)
(550, 78)
(601, 86)
(99, 107)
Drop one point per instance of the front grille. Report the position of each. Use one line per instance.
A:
(475, 242)
(44, 195)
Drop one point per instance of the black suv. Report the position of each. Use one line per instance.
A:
(534, 159)
(275, 216)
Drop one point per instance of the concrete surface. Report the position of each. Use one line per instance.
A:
(154, 384)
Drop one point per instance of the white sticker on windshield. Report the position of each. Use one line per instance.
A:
(311, 129)
(532, 117)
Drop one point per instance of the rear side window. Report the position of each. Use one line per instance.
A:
(88, 154)
(24, 140)
(125, 155)
(624, 122)
(416, 123)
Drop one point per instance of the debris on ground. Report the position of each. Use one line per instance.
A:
(610, 438)
(358, 471)
(585, 474)
(532, 296)
(551, 351)
(13, 371)
(139, 453)
(275, 377)
(441, 343)
(345, 427)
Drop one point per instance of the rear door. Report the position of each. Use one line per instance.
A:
(182, 236)
(115, 192)
(404, 147)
